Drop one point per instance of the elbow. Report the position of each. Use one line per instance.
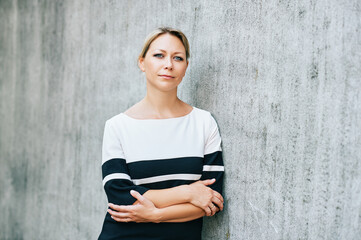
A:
(118, 196)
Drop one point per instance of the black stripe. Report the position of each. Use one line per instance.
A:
(210, 175)
(214, 158)
(151, 168)
(115, 165)
(118, 191)
(219, 180)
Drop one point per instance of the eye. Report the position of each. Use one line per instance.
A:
(179, 58)
(158, 55)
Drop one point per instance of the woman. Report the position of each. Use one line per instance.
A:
(162, 158)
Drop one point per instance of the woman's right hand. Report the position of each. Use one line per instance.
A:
(205, 197)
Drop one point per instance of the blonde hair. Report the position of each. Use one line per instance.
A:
(160, 31)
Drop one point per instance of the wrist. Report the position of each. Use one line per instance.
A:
(158, 215)
(186, 193)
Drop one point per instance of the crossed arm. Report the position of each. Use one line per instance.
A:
(178, 204)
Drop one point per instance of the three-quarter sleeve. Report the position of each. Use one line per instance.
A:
(116, 180)
(213, 160)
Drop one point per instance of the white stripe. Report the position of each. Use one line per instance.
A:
(167, 177)
(115, 176)
(210, 168)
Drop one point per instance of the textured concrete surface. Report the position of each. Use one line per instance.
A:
(282, 79)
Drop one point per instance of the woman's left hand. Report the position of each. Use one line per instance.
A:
(143, 211)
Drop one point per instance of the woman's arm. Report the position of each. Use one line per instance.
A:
(181, 213)
(196, 193)
(145, 211)
(177, 204)
(117, 181)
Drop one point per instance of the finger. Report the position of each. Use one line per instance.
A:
(218, 202)
(208, 211)
(141, 199)
(137, 195)
(213, 209)
(121, 208)
(118, 214)
(208, 181)
(122, 219)
(218, 195)
(116, 219)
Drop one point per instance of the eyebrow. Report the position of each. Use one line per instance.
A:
(165, 51)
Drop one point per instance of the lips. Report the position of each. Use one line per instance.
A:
(166, 76)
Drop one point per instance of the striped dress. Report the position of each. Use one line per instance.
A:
(143, 154)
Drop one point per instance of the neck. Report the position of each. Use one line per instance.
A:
(162, 102)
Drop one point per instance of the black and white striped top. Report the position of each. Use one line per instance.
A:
(143, 154)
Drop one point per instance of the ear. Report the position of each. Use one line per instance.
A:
(141, 64)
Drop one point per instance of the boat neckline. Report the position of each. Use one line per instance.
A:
(159, 119)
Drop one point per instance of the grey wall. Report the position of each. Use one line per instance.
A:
(282, 79)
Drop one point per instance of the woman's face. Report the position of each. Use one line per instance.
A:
(165, 62)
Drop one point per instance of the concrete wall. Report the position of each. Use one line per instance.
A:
(282, 79)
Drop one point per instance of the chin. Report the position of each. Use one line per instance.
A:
(165, 85)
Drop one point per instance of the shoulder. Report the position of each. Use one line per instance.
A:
(114, 120)
(202, 112)
(207, 115)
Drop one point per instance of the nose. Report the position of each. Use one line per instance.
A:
(168, 63)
